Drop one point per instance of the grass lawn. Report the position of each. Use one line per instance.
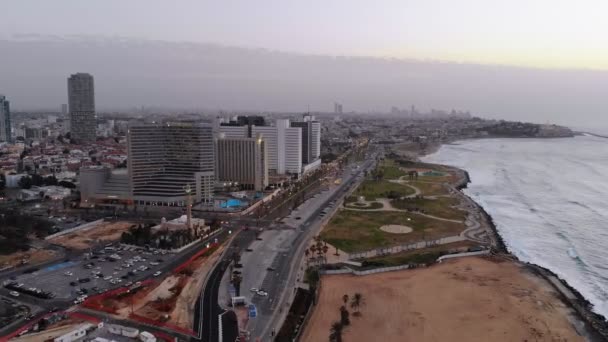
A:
(425, 256)
(354, 231)
(430, 189)
(380, 189)
(441, 206)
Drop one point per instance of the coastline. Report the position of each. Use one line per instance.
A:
(595, 325)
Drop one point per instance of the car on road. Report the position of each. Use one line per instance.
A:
(248, 249)
(73, 283)
(254, 290)
(157, 273)
(270, 269)
(107, 278)
(68, 273)
(14, 293)
(262, 293)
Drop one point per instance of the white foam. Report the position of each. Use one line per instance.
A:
(547, 198)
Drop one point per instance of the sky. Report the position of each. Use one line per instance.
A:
(537, 33)
(532, 60)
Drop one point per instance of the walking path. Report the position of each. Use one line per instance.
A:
(476, 229)
(387, 206)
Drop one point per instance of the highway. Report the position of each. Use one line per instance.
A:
(282, 249)
(288, 266)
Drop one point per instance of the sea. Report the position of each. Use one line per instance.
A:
(549, 201)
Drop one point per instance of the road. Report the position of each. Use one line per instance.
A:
(283, 248)
(289, 266)
(207, 308)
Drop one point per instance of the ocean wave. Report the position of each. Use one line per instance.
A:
(547, 199)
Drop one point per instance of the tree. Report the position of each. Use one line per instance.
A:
(335, 332)
(356, 302)
(50, 180)
(344, 316)
(25, 182)
(37, 180)
(325, 250)
(345, 299)
(67, 184)
(236, 282)
(2, 181)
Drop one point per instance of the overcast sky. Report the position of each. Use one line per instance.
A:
(541, 60)
(540, 33)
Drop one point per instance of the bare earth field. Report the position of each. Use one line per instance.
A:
(466, 299)
(84, 239)
(33, 256)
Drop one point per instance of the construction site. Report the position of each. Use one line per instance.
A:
(167, 301)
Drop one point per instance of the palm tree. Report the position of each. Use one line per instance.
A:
(356, 302)
(344, 316)
(325, 249)
(335, 333)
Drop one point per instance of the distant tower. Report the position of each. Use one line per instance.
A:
(337, 108)
(5, 119)
(64, 109)
(81, 98)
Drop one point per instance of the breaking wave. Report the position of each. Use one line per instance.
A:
(548, 199)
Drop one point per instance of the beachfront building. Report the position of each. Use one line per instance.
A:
(166, 158)
(242, 161)
(283, 145)
(81, 99)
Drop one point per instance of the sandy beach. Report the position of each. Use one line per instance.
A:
(467, 299)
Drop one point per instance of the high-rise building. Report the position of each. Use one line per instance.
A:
(315, 144)
(81, 99)
(5, 119)
(246, 121)
(284, 147)
(64, 109)
(311, 138)
(306, 129)
(337, 108)
(283, 144)
(166, 158)
(242, 160)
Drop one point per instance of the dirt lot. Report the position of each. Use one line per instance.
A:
(84, 239)
(33, 256)
(468, 299)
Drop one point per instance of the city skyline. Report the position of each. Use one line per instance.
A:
(134, 73)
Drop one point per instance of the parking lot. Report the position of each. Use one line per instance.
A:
(96, 272)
